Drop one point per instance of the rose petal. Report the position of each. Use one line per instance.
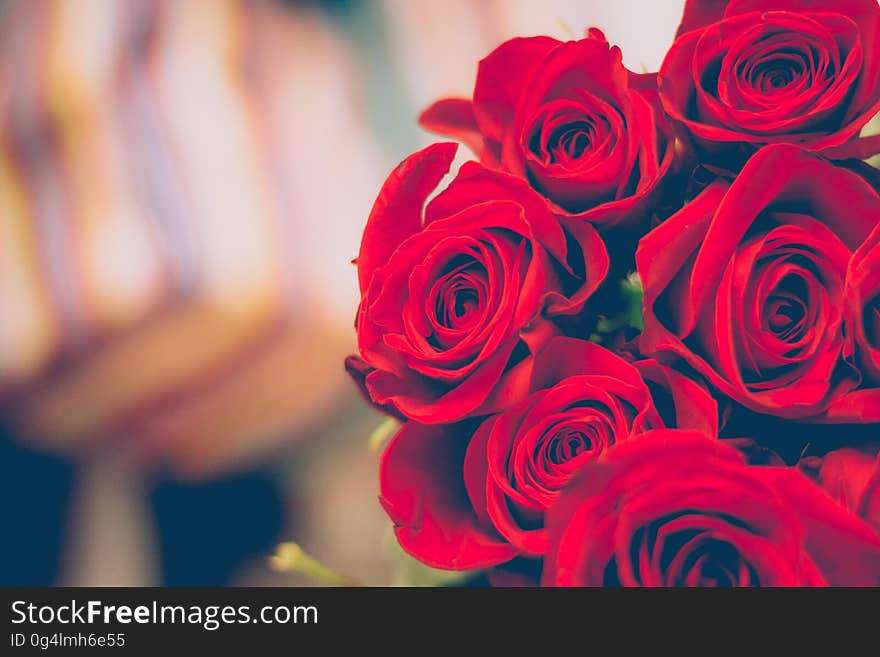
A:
(454, 117)
(422, 490)
(397, 212)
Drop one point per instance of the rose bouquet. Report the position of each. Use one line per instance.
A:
(637, 341)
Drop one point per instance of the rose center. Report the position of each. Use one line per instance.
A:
(785, 316)
(572, 141)
(786, 309)
(775, 75)
(566, 136)
(459, 296)
(547, 454)
(693, 551)
(457, 306)
(567, 444)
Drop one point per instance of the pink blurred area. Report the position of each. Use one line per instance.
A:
(182, 188)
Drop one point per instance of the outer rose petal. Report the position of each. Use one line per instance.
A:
(397, 212)
(358, 370)
(417, 399)
(500, 79)
(860, 298)
(861, 406)
(852, 477)
(846, 549)
(692, 404)
(662, 257)
(700, 13)
(565, 357)
(454, 117)
(476, 184)
(423, 491)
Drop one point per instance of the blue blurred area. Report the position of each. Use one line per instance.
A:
(34, 500)
(205, 531)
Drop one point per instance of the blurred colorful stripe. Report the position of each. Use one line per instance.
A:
(171, 274)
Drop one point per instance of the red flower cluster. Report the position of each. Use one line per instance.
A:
(638, 342)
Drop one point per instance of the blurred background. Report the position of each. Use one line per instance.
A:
(183, 185)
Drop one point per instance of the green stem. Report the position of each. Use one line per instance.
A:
(291, 558)
(382, 434)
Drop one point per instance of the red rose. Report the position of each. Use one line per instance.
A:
(862, 317)
(746, 281)
(749, 72)
(465, 498)
(852, 477)
(453, 303)
(585, 131)
(674, 508)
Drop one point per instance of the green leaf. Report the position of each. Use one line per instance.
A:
(631, 294)
(631, 287)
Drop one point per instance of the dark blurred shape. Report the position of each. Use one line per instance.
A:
(207, 531)
(34, 497)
